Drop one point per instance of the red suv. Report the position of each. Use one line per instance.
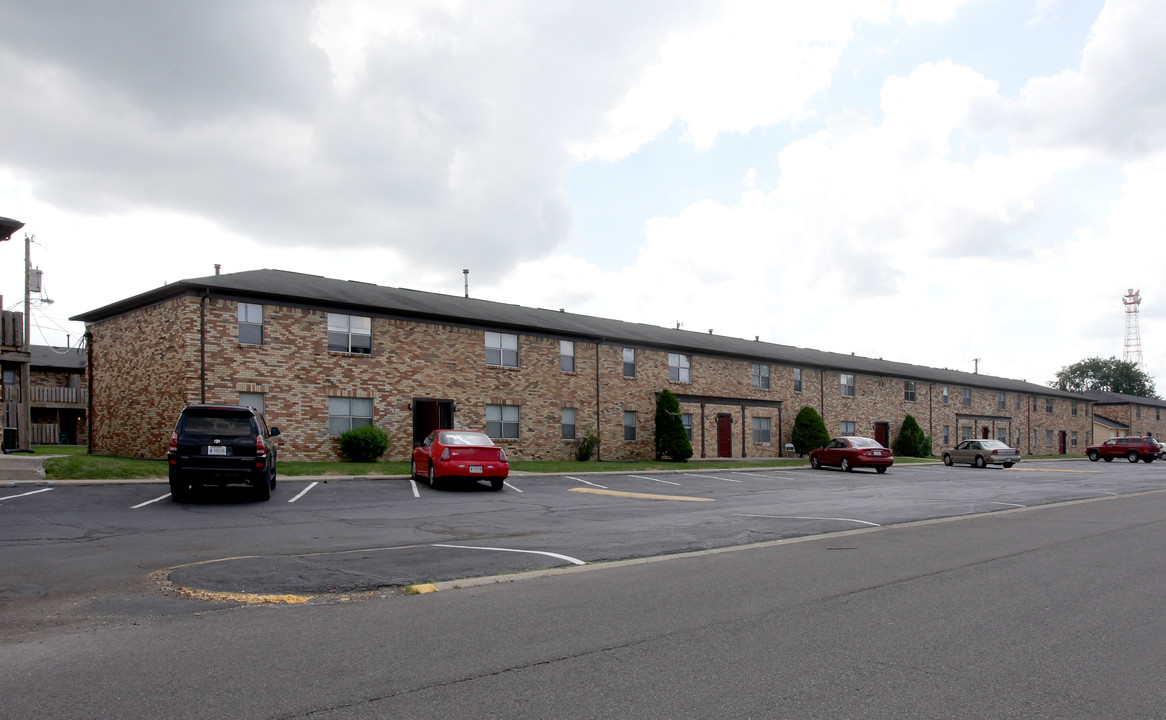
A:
(1146, 449)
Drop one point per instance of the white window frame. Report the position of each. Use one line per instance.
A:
(567, 356)
(1049, 438)
(503, 422)
(679, 367)
(946, 395)
(849, 428)
(1048, 405)
(629, 362)
(250, 321)
(797, 379)
(501, 349)
(345, 413)
(686, 420)
(760, 374)
(570, 426)
(909, 390)
(966, 397)
(629, 425)
(344, 331)
(762, 430)
(1001, 401)
(848, 388)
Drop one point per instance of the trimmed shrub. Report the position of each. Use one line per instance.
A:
(809, 432)
(586, 445)
(911, 442)
(365, 443)
(671, 438)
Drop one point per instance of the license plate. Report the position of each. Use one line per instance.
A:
(216, 450)
(475, 468)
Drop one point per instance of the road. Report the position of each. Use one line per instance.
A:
(1040, 600)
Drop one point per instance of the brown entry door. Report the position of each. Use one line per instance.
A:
(724, 436)
(882, 434)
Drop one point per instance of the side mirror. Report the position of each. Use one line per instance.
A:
(273, 431)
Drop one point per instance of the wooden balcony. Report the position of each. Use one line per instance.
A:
(58, 396)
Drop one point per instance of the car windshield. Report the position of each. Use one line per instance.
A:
(465, 438)
(862, 442)
(236, 426)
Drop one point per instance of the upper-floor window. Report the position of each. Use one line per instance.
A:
(1138, 410)
(1048, 405)
(946, 395)
(250, 324)
(502, 350)
(629, 362)
(761, 376)
(347, 413)
(679, 368)
(349, 333)
(629, 425)
(909, 390)
(1034, 405)
(797, 379)
(847, 382)
(567, 355)
(761, 432)
(1001, 401)
(502, 421)
(966, 397)
(848, 428)
(1073, 406)
(568, 423)
(1157, 413)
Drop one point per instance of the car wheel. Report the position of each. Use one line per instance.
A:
(432, 476)
(1132, 456)
(947, 459)
(179, 490)
(496, 483)
(815, 463)
(413, 470)
(1094, 456)
(1007, 465)
(880, 470)
(845, 465)
(1148, 459)
(263, 488)
(979, 461)
(1108, 459)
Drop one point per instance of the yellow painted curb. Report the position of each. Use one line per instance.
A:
(641, 496)
(423, 588)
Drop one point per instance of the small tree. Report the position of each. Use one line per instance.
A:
(911, 442)
(365, 443)
(671, 438)
(809, 431)
(586, 446)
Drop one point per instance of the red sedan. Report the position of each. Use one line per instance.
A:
(460, 454)
(848, 453)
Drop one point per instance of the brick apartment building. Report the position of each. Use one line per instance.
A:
(1120, 415)
(319, 356)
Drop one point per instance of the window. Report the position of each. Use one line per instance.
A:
(1138, 410)
(946, 396)
(847, 381)
(966, 433)
(1001, 401)
(502, 421)
(1157, 413)
(349, 333)
(347, 413)
(966, 397)
(1073, 406)
(251, 399)
(1034, 405)
(1049, 438)
(1018, 406)
(909, 390)
(1073, 438)
(797, 379)
(686, 419)
(568, 423)
(250, 324)
(761, 430)
(629, 425)
(947, 435)
(847, 428)
(566, 356)
(1035, 438)
(761, 376)
(1048, 405)
(679, 368)
(629, 362)
(1002, 434)
(501, 350)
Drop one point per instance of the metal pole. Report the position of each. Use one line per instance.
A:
(24, 432)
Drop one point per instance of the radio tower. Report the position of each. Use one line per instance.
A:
(1133, 346)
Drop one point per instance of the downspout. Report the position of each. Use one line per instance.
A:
(780, 436)
(202, 344)
(743, 431)
(931, 414)
(702, 422)
(599, 447)
(822, 392)
(89, 381)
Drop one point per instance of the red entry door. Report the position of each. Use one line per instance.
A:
(882, 433)
(724, 436)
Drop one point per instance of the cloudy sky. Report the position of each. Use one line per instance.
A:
(929, 181)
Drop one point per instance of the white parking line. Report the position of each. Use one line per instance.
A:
(150, 502)
(586, 482)
(510, 486)
(990, 502)
(569, 559)
(641, 477)
(304, 491)
(714, 477)
(807, 517)
(414, 484)
(34, 492)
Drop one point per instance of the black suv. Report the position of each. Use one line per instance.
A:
(220, 445)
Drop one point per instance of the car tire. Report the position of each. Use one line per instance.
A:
(845, 465)
(263, 488)
(880, 470)
(1132, 456)
(947, 459)
(1007, 465)
(815, 463)
(1148, 459)
(179, 490)
(1094, 456)
(979, 462)
(432, 476)
(412, 469)
(496, 483)
(1108, 459)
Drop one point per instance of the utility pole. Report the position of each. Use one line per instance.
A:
(25, 427)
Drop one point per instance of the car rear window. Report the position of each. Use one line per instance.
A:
(465, 438)
(864, 443)
(229, 426)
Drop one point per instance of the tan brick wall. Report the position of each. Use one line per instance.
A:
(147, 367)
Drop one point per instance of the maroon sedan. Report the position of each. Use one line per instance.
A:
(848, 453)
(460, 454)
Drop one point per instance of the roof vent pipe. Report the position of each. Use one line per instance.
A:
(466, 273)
(218, 267)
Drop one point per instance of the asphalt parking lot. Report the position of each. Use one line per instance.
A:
(320, 538)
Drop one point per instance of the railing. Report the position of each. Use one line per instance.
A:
(78, 396)
(46, 434)
(11, 329)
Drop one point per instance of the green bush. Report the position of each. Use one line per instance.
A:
(911, 442)
(365, 443)
(671, 438)
(809, 432)
(586, 445)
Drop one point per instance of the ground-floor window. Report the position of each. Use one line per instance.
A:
(1002, 435)
(347, 413)
(1073, 439)
(568, 423)
(502, 421)
(629, 425)
(947, 435)
(761, 430)
(848, 428)
(966, 433)
(1049, 438)
(686, 418)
